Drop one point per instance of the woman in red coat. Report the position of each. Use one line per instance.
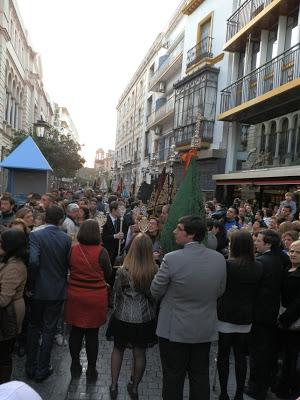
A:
(86, 304)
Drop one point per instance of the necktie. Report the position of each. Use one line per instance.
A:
(116, 225)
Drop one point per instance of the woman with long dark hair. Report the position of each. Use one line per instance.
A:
(133, 320)
(235, 310)
(13, 275)
(86, 304)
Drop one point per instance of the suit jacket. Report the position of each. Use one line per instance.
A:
(267, 302)
(109, 242)
(189, 282)
(48, 263)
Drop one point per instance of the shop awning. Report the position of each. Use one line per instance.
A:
(267, 176)
(259, 182)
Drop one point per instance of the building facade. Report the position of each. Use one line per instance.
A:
(23, 99)
(131, 125)
(63, 122)
(164, 72)
(261, 103)
(204, 70)
(104, 161)
(185, 68)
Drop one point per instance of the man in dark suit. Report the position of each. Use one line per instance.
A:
(264, 335)
(112, 234)
(47, 280)
(188, 282)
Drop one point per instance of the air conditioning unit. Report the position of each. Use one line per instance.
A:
(162, 87)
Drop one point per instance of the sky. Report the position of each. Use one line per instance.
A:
(90, 50)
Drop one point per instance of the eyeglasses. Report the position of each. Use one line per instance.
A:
(294, 252)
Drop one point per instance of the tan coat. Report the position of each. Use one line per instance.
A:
(13, 278)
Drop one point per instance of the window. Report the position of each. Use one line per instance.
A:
(263, 139)
(255, 55)
(147, 144)
(291, 36)
(283, 141)
(204, 29)
(272, 139)
(197, 96)
(272, 44)
(204, 37)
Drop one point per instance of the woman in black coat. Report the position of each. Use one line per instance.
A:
(289, 386)
(235, 310)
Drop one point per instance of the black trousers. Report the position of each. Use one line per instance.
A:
(177, 359)
(42, 323)
(6, 351)
(264, 350)
(91, 344)
(289, 382)
(237, 341)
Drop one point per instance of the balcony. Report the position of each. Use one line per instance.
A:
(162, 114)
(171, 65)
(253, 16)
(199, 52)
(184, 135)
(267, 92)
(163, 154)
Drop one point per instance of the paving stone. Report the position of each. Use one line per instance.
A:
(60, 386)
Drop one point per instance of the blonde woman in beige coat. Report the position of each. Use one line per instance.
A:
(13, 275)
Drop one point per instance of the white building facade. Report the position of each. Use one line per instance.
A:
(23, 100)
(131, 124)
(262, 98)
(182, 80)
(63, 122)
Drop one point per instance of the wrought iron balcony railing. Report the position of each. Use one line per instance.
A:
(275, 73)
(184, 135)
(166, 109)
(199, 52)
(243, 15)
(164, 66)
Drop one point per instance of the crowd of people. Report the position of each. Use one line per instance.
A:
(235, 280)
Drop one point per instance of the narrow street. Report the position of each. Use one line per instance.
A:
(60, 387)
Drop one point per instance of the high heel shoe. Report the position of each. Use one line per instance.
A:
(133, 395)
(113, 392)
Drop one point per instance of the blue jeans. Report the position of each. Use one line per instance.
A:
(43, 319)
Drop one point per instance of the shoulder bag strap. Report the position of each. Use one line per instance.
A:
(87, 261)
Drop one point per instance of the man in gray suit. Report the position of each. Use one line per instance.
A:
(188, 283)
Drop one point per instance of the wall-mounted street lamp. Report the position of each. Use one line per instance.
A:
(40, 127)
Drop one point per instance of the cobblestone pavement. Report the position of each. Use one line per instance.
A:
(60, 387)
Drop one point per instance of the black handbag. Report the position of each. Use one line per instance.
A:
(8, 321)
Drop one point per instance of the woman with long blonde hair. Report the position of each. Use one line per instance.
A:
(133, 321)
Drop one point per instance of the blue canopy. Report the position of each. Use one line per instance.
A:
(26, 156)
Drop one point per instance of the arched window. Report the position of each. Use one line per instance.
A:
(283, 141)
(263, 139)
(294, 134)
(272, 140)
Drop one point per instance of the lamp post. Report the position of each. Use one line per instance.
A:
(40, 127)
